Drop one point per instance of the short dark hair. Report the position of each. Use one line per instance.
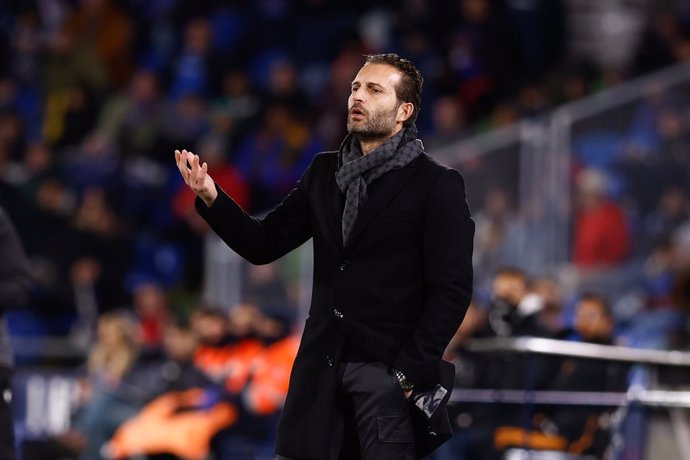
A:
(510, 271)
(410, 87)
(600, 300)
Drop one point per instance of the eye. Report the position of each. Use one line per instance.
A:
(375, 90)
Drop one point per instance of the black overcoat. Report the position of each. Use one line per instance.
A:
(396, 292)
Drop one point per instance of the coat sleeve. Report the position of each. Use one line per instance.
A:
(15, 279)
(447, 245)
(262, 240)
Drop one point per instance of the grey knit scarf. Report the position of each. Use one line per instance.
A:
(357, 171)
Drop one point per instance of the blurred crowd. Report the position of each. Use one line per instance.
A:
(213, 386)
(95, 95)
(520, 306)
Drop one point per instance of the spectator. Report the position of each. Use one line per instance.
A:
(670, 213)
(273, 157)
(101, 29)
(283, 90)
(151, 307)
(448, 122)
(493, 222)
(12, 134)
(512, 313)
(240, 103)
(152, 375)
(77, 118)
(601, 234)
(265, 288)
(195, 70)
(131, 119)
(228, 346)
(575, 429)
(113, 355)
(550, 293)
(102, 237)
(115, 349)
(184, 121)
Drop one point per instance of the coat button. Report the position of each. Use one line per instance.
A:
(330, 360)
(337, 313)
(342, 266)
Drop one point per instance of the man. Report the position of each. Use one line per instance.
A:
(567, 427)
(392, 274)
(514, 312)
(14, 292)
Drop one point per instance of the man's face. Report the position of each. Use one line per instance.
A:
(592, 322)
(509, 288)
(374, 111)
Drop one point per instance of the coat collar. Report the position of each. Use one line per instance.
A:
(381, 192)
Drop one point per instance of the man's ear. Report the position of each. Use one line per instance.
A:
(405, 111)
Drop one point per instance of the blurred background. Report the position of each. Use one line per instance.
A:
(568, 118)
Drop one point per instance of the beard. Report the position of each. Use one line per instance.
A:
(375, 125)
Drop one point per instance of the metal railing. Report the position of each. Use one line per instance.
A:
(582, 350)
(676, 402)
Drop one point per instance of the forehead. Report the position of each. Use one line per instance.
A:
(590, 305)
(508, 279)
(381, 74)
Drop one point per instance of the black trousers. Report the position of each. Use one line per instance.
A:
(6, 419)
(372, 420)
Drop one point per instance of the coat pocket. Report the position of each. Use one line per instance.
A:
(394, 428)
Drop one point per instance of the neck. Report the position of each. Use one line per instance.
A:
(369, 145)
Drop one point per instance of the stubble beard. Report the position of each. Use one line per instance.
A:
(379, 125)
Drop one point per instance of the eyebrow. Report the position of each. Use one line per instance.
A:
(369, 84)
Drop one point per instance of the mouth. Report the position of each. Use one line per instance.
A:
(356, 110)
(357, 113)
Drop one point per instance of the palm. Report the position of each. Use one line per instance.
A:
(196, 176)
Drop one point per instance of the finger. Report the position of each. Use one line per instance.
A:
(196, 170)
(185, 166)
(181, 166)
(201, 172)
(204, 172)
(177, 158)
(188, 158)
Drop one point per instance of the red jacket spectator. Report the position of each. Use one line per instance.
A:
(602, 237)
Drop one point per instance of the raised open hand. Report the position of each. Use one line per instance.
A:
(196, 176)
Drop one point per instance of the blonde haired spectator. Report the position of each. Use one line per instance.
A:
(116, 347)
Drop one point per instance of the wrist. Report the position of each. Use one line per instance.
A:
(210, 198)
(405, 383)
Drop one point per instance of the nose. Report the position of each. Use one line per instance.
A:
(357, 95)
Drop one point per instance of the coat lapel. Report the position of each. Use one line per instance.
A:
(336, 202)
(381, 193)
